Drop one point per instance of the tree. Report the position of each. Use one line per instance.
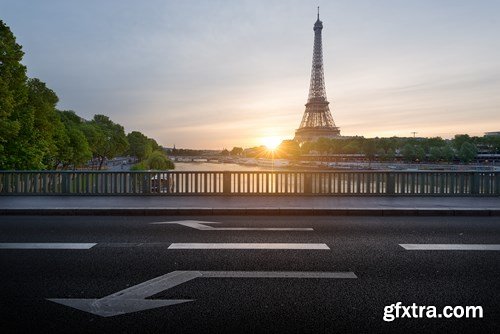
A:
(352, 148)
(306, 147)
(154, 144)
(323, 145)
(288, 149)
(109, 140)
(41, 132)
(80, 149)
(336, 145)
(419, 153)
(236, 151)
(467, 152)
(77, 151)
(159, 161)
(459, 140)
(94, 136)
(408, 152)
(140, 146)
(49, 133)
(369, 149)
(388, 155)
(428, 143)
(13, 92)
(435, 154)
(224, 152)
(447, 153)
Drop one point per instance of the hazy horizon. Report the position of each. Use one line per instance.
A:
(222, 74)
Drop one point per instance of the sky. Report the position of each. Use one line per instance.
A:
(217, 74)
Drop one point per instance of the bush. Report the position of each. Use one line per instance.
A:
(157, 160)
(140, 166)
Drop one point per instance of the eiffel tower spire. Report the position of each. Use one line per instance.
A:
(317, 121)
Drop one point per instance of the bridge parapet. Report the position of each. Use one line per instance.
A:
(168, 183)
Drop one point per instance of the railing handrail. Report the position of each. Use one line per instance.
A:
(235, 171)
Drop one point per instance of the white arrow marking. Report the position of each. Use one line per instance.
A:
(133, 299)
(199, 225)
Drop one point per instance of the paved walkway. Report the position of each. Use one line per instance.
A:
(321, 205)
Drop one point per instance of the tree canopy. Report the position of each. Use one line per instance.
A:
(35, 135)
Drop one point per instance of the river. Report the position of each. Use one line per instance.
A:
(216, 167)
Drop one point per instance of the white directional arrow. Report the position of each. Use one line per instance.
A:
(200, 225)
(133, 299)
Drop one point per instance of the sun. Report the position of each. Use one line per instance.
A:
(271, 143)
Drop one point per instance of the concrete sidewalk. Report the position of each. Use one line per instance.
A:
(248, 205)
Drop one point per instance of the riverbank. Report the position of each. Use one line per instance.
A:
(234, 166)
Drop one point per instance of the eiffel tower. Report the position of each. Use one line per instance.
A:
(317, 121)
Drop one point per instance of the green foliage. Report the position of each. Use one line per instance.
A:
(225, 152)
(140, 146)
(459, 140)
(408, 153)
(288, 149)
(109, 139)
(13, 91)
(140, 166)
(467, 152)
(154, 144)
(323, 145)
(40, 136)
(352, 148)
(159, 161)
(77, 151)
(419, 154)
(307, 147)
(156, 161)
(435, 154)
(369, 149)
(447, 153)
(35, 135)
(236, 151)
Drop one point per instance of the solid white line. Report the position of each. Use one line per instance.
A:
(45, 245)
(481, 247)
(246, 246)
(262, 229)
(278, 274)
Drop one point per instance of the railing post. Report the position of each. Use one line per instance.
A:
(308, 183)
(226, 183)
(475, 184)
(390, 184)
(64, 183)
(146, 183)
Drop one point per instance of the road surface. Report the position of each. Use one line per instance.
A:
(245, 273)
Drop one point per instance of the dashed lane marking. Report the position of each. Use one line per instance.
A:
(46, 245)
(466, 247)
(247, 246)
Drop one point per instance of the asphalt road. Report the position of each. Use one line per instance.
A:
(129, 251)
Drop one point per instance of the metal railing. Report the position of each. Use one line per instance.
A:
(434, 183)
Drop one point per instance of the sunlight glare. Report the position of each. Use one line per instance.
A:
(271, 142)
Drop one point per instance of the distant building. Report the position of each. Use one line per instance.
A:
(495, 133)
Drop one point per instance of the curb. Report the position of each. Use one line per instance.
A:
(251, 211)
